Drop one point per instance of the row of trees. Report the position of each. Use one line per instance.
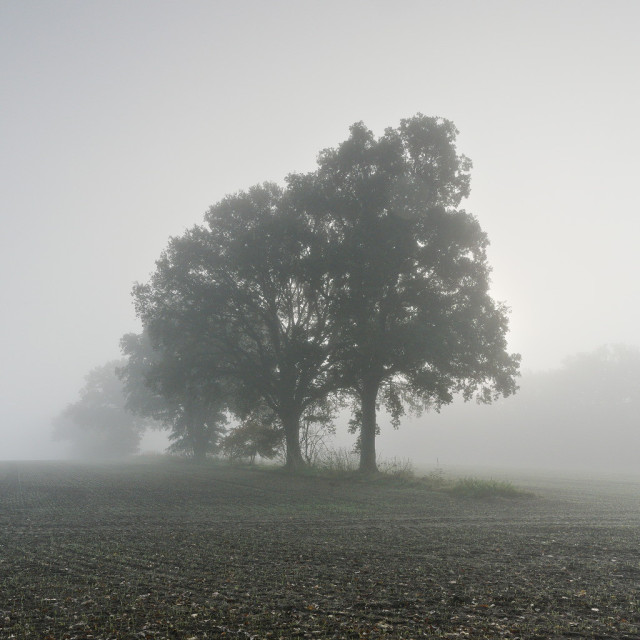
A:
(580, 415)
(110, 418)
(359, 283)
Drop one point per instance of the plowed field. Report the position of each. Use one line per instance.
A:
(166, 550)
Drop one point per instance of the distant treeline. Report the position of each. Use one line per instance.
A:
(580, 415)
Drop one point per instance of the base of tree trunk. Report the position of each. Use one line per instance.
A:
(368, 470)
(293, 460)
(293, 466)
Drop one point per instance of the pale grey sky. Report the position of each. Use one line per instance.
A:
(122, 121)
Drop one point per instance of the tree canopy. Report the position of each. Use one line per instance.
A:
(412, 317)
(361, 279)
(246, 298)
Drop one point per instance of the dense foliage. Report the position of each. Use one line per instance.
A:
(412, 318)
(245, 297)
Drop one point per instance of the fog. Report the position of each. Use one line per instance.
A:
(122, 122)
(579, 417)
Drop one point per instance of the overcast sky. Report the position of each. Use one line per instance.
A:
(122, 121)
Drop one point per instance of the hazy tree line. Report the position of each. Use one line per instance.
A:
(362, 283)
(582, 414)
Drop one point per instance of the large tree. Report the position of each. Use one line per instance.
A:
(412, 318)
(247, 297)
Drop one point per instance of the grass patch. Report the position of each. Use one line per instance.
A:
(397, 468)
(337, 462)
(342, 465)
(482, 488)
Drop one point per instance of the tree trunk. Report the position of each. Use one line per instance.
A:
(199, 454)
(291, 425)
(199, 438)
(368, 428)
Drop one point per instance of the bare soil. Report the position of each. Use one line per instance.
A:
(167, 550)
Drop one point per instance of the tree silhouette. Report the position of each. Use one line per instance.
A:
(98, 425)
(363, 278)
(411, 316)
(247, 299)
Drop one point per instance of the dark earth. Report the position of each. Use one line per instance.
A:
(164, 549)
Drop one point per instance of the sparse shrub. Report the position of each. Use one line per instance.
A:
(315, 431)
(346, 461)
(399, 468)
(337, 461)
(435, 479)
(479, 488)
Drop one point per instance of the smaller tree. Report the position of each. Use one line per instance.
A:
(98, 425)
(257, 435)
(161, 386)
(245, 299)
(197, 428)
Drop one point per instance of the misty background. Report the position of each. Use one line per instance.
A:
(121, 122)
